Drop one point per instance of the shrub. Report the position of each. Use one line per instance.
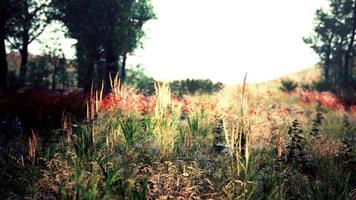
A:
(137, 78)
(195, 86)
(306, 86)
(321, 86)
(288, 85)
(295, 148)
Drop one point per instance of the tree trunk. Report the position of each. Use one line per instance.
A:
(24, 59)
(85, 66)
(85, 72)
(87, 77)
(3, 61)
(350, 49)
(54, 62)
(327, 60)
(112, 66)
(123, 69)
(25, 42)
(339, 63)
(64, 78)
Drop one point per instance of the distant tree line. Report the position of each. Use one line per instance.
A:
(334, 41)
(195, 86)
(146, 84)
(107, 31)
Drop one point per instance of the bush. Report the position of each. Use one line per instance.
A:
(39, 73)
(195, 86)
(137, 78)
(13, 80)
(288, 85)
(306, 87)
(48, 72)
(42, 110)
(322, 86)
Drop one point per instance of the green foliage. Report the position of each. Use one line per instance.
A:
(135, 194)
(195, 86)
(83, 143)
(125, 154)
(288, 85)
(345, 152)
(106, 31)
(271, 187)
(39, 73)
(13, 80)
(196, 128)
(87, 145)
(295, 152)
(306, 86)
(336, 185)
(137, 78)
(333, 41)
(148, 125)
(321, 86)
(111, 181)
(8, 11)
(28, 23)
(50, 72)
(315, 130)
(130, 129)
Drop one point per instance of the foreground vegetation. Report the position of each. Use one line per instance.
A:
(241, 143)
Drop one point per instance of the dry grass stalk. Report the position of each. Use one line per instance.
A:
(237, 129)
(66, 126)
(94, 102)
(165, 117)
(93, 105)
(115, 85)
(164, 99)
(32, 144)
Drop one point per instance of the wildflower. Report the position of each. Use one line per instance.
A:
(353, 109)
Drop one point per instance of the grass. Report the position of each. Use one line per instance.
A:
(274, 146)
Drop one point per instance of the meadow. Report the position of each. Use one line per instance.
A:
(244, 142)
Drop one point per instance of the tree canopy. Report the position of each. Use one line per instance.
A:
(333, 40)
(8, 9)
(106, 31)
(27, 24)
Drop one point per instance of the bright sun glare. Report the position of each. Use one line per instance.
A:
(223, 39)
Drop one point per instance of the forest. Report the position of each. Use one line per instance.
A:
(93, 127)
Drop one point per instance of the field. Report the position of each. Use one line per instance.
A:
(245, 142)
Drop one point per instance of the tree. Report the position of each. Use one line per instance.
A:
(322, 41)
(131, 22)
(333, 41)
(57, 61)
(8, 9)
(81, 18)
(350, 51)
(106, 31)
(27, 24)
(137, 78)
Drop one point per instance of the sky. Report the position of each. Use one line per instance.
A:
(222, 39)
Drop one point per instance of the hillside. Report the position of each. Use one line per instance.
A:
(306, 76)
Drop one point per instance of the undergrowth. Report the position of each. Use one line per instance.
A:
(238, 144)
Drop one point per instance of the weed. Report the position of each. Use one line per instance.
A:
(295, 153)
(288, 85)
(129, 128)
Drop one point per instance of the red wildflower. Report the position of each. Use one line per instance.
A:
(326, 99)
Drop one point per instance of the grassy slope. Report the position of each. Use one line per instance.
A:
(306, 76)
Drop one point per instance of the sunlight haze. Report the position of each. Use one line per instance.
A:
(223, 39)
